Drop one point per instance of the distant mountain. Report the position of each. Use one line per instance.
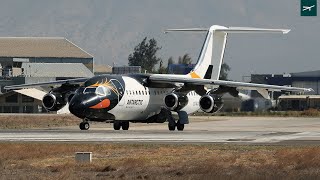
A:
(110, 29)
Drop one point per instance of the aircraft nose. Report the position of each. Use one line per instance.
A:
(77, 107)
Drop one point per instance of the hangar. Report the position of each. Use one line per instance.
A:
(41, 59)
(37, 59)
(22, 101)
(298, 102)
(16, 50)
(308, 79)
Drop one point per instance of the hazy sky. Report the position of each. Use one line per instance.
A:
(109, 29)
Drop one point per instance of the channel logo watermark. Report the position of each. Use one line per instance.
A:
(308, 8)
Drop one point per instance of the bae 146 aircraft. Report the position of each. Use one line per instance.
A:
(155, 98)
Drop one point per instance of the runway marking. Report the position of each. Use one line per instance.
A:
(233, 130)
(251, 137)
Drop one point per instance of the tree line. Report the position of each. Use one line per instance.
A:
(145, 55)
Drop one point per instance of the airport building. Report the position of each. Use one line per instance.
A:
(102, 69)
(41, 59)
(17, 50)
(22, 101)
(126, 69)
(292, 101)
(37, 59)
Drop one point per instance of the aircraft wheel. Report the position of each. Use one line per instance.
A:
(171, 126)
(125, 125)
(81, 126)
(180, 126)
(116, 125)
(84, 126)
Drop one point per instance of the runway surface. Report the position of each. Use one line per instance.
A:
(240, 130)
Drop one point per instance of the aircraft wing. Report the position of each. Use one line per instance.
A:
(67, 81)
(261, 88)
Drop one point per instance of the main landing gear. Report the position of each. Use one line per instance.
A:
(172, 124)
(117, 125)
(84, 125)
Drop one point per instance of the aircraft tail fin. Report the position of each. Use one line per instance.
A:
(211, 56)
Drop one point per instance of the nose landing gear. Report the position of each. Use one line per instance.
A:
(84, 125)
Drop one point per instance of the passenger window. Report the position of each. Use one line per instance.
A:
(142, 93)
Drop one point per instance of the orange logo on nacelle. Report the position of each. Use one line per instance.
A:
(103, 104)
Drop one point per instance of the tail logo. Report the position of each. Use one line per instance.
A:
(194, 75)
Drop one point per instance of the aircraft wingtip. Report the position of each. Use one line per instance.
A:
(309, 90)
(286, 31)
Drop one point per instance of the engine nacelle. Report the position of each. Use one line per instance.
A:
(70, 96)
(53, 101)
(175, 101)
(210, 103)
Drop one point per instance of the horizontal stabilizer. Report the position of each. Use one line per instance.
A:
(231, 30)
(187, 30)
(253, 30)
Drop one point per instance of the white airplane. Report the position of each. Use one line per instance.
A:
(154, 98)
(305, 8)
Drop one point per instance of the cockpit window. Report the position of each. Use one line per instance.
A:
(103, 91)
(89, 90)
(100, 90)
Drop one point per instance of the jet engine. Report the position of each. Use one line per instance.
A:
(210, 103)
(53, 101)
(175, 101)
(70, 96)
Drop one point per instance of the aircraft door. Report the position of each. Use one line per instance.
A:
(120, 90)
